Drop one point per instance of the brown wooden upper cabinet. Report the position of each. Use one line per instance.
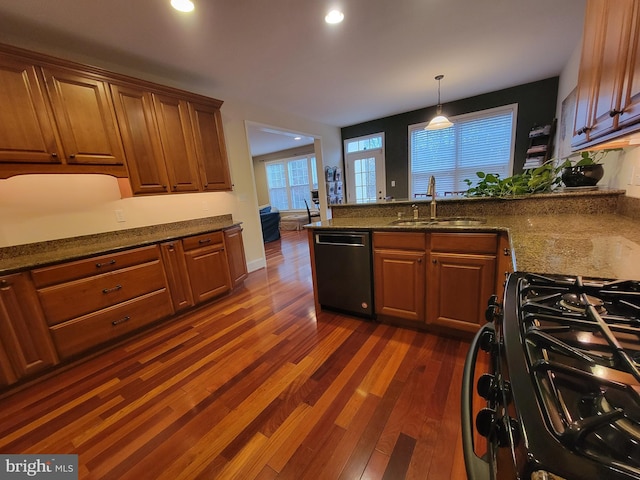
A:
(61, 117)
(210, 147)
(177, 142)
(85, 117)
(608, 92)
(27, 131)
(141, 140)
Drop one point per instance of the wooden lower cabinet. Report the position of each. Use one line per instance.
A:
(437, 279)
(458, 289)
(175, 268)
(207, 266)
(25, 344)
(68, 309)
(399, 275)
(461, 278)
(235, 254)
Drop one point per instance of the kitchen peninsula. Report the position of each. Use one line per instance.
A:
(593, 233)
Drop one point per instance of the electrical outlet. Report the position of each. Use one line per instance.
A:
(205, 206)
(393, 183)
(633, 173)
(120, 216)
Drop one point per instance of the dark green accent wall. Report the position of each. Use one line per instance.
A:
(536, 105)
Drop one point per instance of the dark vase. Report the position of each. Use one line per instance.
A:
(583, 176)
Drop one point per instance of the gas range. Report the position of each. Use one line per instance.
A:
(563, 396)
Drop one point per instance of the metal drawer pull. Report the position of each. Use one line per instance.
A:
(105, 264)
(206, 240)
(122, 320)
(114, 289)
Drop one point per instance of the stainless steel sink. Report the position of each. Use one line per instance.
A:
(459, 221)
(411, 223)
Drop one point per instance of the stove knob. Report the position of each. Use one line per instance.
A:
(493, 300)
(486, 421)
(493, 308)
(487, 387)
(488, 340)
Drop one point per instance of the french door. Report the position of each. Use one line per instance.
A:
(365, 176)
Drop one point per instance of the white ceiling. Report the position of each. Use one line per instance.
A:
(280, 54)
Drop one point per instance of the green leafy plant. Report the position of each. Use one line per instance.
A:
(537, 180)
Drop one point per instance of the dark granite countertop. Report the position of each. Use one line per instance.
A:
(27, 256)
(600, 245)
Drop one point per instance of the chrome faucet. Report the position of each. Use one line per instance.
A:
(415, 211)
(431, 191)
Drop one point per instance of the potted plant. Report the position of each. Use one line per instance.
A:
(536, 180)
(587, 171)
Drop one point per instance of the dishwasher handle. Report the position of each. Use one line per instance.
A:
(343, 239)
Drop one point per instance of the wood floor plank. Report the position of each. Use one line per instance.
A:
(256, 387)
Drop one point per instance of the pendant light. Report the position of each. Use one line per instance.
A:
(439, 122)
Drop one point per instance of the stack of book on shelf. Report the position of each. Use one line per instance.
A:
(540, 145)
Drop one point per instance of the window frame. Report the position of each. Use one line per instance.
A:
(479, 114)
(312, 175)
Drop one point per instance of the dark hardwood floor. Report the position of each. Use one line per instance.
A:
(255, 387)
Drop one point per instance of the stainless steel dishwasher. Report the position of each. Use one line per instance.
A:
(344, 271)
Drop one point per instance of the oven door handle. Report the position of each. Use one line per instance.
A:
(477, 468)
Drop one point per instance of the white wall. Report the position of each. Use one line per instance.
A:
(43, 207)
(619, 167)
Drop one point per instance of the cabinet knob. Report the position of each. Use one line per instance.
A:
(434, 261)
(419, 260)
(4, 284)
(507, 252)
(73, 155)
(164, 187)
(54, 155)
(206, 185)
(175, 187)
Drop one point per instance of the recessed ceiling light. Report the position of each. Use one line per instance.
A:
(334, 16)
(183, 5)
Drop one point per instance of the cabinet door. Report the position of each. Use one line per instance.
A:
(139, 131)
(85, 118)
(612, 60)
(631, 92)
(399, 279)
(177, 143)
(458, 290)
(210, 148)
(235, 253)
(177, 276)
(23, 330)
(27, 132)
(208, 272)
(589, 66)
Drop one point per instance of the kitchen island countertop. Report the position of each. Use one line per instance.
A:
(595, 245)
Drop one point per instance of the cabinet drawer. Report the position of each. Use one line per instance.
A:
(203, 240)
(72, 299)
(402, 241)
(43, 277)
(464, 242)
(91, 330)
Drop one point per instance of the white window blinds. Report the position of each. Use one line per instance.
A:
(480, 141)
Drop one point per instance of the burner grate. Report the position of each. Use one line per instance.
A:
(582, 345)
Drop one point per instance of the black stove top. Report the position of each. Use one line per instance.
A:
(571, 360)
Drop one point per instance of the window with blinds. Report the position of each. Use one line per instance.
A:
(290, 182)
(479, 141)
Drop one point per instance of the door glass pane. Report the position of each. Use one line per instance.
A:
(365, 179)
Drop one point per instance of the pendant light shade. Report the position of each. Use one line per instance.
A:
(439, 122)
